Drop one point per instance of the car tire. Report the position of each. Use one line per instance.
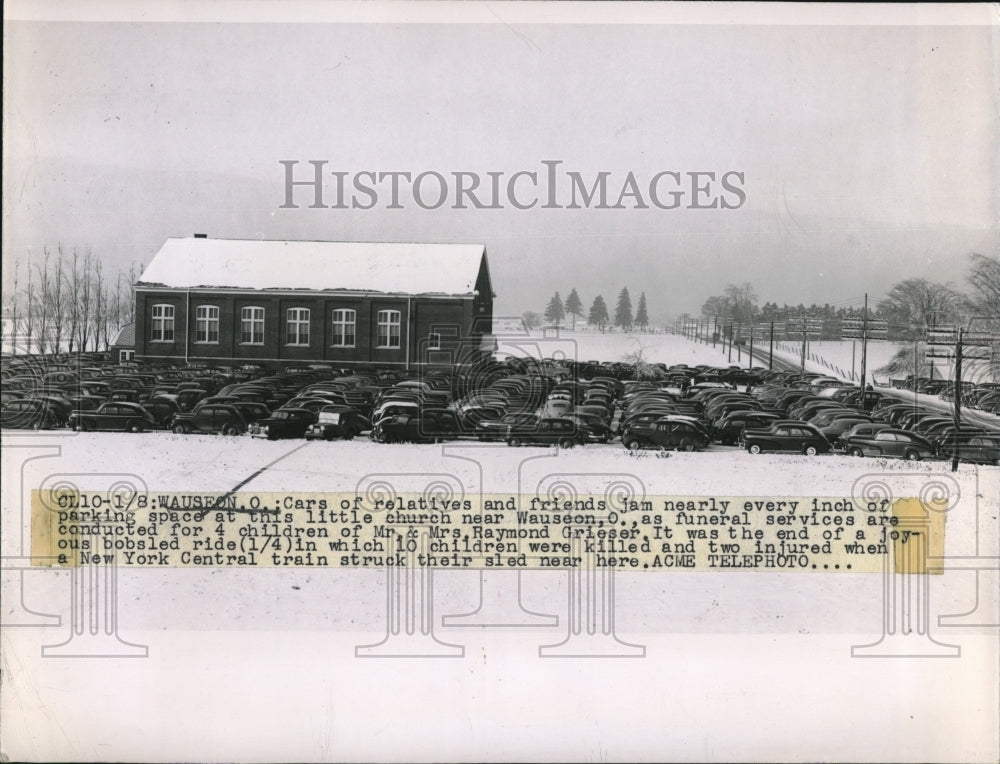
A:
(632, 444)
(515, 442)
(810, 451)
(912, 456)
(754, 449)
(135, 427)
(180, 429)
(686, 445)
(230, 429)
(857, 452)
(566, 443)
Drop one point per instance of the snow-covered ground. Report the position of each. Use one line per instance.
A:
(839, 358)
(611, 346)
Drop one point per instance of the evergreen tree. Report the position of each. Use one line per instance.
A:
(641, 316)
(598, 313)
(623, 311)
(555, 312)
(573, 305)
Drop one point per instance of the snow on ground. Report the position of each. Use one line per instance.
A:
(612, 346)
(839, 358)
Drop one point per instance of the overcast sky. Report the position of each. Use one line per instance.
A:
(869, 153)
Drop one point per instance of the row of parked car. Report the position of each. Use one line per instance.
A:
(823, 415)
(984, 396)
(519, 402)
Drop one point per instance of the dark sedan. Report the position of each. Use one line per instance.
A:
(684, 436)
(551, 431)
(981, 448)
(727, 430)
(336, 422)
(284, 423)
(211, 417)
(30, 413)
(896, 443)
(801, 437)
(114, 416)
(429, 426)
(499, 429)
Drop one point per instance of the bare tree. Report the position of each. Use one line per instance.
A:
(30, 311)
(742, 302)
(915, 304)
(83, 296)
(74, 279)
(58, 300)
(100, 307)
(43, 302)
(984, 278)
(15, 316)
(129, 315)
(531, 319)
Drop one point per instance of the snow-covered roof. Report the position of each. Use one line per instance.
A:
(190, 263)
(126, 336)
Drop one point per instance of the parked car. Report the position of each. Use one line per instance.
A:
(284, 423)
(30, 414)
(163, 410)
(500, 429)
(336, 422)
(864, 430)
(211, 417)
(114, 416)
(727, 431)
(786, 436)
(897, 443)
(429, 426)
(981, 448)
(550, 431)
(596, 427)
(684, 436)
(250, 411)
(835, 429)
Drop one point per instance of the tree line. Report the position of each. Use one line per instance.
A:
(910, 307)
(556, 312)
(67, 301)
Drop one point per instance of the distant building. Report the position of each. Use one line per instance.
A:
(122, 348)
(347, 304)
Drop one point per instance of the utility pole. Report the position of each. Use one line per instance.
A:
(715, 332)
(803, 364)
(958, 401)
(864, 352)
(770, 352)
(739, 344)
(730, 342)
(750, 357)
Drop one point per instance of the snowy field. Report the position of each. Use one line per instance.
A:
(612, 346)
(840, 358)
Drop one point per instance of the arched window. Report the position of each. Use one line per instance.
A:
(206, 324)
(252, 326)
(297, 326)
(388, 329)
(344, 328)
(163, 323)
